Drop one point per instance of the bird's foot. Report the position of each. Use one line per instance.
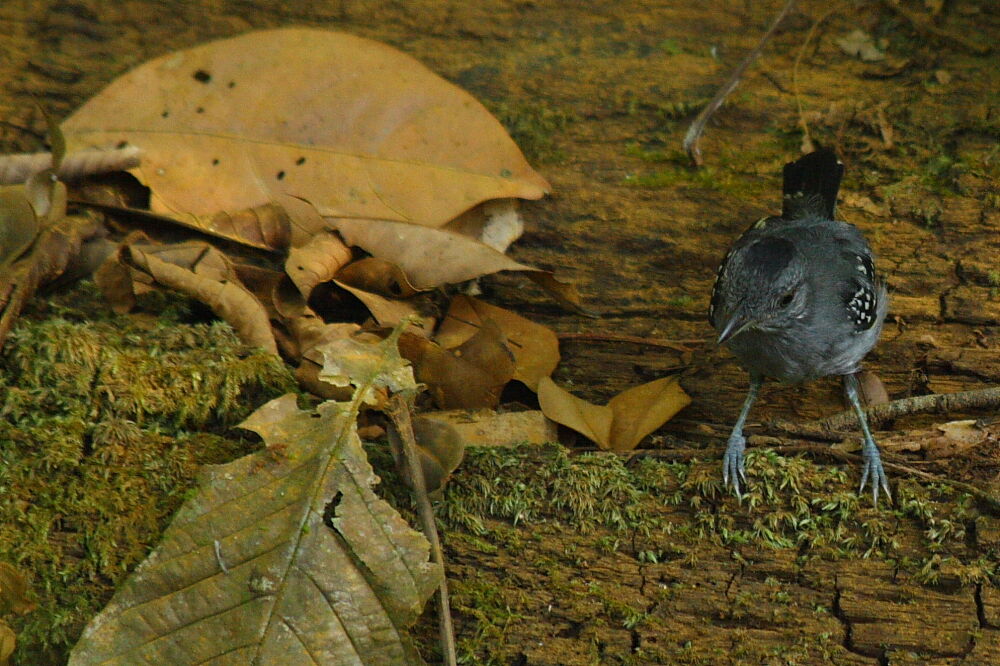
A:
(733, 463)
(872, 470)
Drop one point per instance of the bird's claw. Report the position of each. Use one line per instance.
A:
(871, 469)
(734, 464)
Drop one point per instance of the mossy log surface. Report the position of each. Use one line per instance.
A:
(590, 560)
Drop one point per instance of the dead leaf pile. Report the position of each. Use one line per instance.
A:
(315, 190)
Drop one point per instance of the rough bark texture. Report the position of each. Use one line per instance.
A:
(599, 95)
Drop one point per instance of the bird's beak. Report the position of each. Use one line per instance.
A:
(736, 325)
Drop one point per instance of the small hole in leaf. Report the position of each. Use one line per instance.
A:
(330, 510)
(202, 76)
(395, 289)
(232, 84)
(200, 109)
(280, 175)
(300, 161)
(122, 144)
(165, 114)
(215, 162)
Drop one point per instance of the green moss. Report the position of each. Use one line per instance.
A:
(535, 128)
(97, 449)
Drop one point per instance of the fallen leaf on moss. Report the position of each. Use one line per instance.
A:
(351, 126)
(14, 591)
(620, 425)
(204, 273)
(282, 556)
(8, 643)
(535, 347)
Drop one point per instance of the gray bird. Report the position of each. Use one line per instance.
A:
(797, 298)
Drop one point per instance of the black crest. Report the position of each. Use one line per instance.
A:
(768, 257)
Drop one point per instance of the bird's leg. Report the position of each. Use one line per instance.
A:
(872, 463)
(733, 464)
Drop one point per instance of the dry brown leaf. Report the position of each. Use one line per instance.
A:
(317, 261)
(624, 421)
(389, 313)
(14, 591)
(470, 376)
(377, 276)
(956, 438)
(349, 125)
(54, 250)
(440, 449)
(535, 347)
(18, 224)
(434, 257)
(8, 643)
(224, 295)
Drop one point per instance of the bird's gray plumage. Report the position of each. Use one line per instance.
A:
(797, 296)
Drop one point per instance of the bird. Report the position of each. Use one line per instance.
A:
(797, 298)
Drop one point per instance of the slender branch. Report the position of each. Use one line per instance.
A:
(698, 125)
(400, 406)
(926, 27)
(16, 169)
(807, 144)
(677, 345)
(936, 403)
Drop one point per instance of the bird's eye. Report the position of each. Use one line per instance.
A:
(786, 300)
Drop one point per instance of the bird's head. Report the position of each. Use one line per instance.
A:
(761, 286)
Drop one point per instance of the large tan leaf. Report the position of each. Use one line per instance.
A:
(350, 125)
(249, 572)
(624, 421)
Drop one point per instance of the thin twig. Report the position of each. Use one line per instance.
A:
(698, 125)
(924, 26)
(677, 345)
(936, 403)
(807, 144)
(16, 169)
(400, 406)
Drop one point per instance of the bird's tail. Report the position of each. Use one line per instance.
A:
(811, 184)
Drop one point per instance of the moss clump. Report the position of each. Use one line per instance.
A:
(535, 127)
(96, 447)
(528, 484)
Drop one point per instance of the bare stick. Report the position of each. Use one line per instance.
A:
(677, 345)
(926, 27)
(399, 411)
(698, 125)
(16, 169)
(936, 403)
(807, 143)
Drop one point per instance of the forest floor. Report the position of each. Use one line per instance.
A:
(558, 557)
